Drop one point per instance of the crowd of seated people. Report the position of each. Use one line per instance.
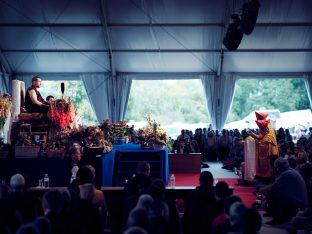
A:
(206, 209)
(80, 208)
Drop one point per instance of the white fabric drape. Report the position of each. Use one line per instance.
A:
(99, 89)
(208, 82)
(123, 86)
(219, 93)
(4, 83)
(226, 90)
(308, 83)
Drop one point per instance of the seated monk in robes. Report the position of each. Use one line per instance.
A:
(34, 103)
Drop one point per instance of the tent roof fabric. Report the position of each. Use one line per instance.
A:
(151, 36)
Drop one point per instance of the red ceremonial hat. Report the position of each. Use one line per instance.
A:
(260, 116)
(262, 123)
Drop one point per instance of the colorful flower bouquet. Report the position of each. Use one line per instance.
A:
(62, 114)
(92, 137)
(115, 132)
(5, 108)
(57, 144)
(152, 135)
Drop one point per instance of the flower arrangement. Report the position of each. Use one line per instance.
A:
(59, 142)
(152, 135)
(94, 137)
(113, 132)
(5, 108)
(86, 136)
(62, 113)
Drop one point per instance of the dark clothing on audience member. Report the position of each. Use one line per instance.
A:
(135, 187)
(197, 216)
(89, 215)
(9, 217)
(287, 194)
(25, 203)
(33, 108)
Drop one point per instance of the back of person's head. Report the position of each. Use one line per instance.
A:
(222, 190)
(159, 209)
(92, 169)
(236, 211)
(66, 198)
(143, 167)
(138, 217)
(159, 183)
(28, 228)
(43, 224)
(155, 192)
(292, 161)
(5, 191)
(229, 201)
(281, 164)
(52, 201)
(87, 191)
(250, 222)
(17, 182)
(302, 157)
(145, 201)
(135, 230)
(84, 175)
(206, 178)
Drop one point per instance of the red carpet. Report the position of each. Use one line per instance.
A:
(244, 192)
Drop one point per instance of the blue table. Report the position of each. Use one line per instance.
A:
(108, 161)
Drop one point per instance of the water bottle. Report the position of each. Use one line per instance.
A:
(46, 181)
(172, 181)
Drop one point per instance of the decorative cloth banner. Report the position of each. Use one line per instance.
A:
(17, 86)
(250, 159)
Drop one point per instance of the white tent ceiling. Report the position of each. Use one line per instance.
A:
(39, 36)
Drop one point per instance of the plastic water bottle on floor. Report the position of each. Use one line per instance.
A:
(172, 181)
(46, 181)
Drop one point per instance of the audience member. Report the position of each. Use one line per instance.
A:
(286, 195)
(197, 216)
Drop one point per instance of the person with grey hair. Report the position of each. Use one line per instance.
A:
(286, 195)
(23, 201)
(17, 182)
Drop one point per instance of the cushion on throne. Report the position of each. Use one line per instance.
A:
(25, 116)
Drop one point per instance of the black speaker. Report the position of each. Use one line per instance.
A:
(249, 15)
(233, 36)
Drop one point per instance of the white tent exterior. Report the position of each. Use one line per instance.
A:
(109, 43)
